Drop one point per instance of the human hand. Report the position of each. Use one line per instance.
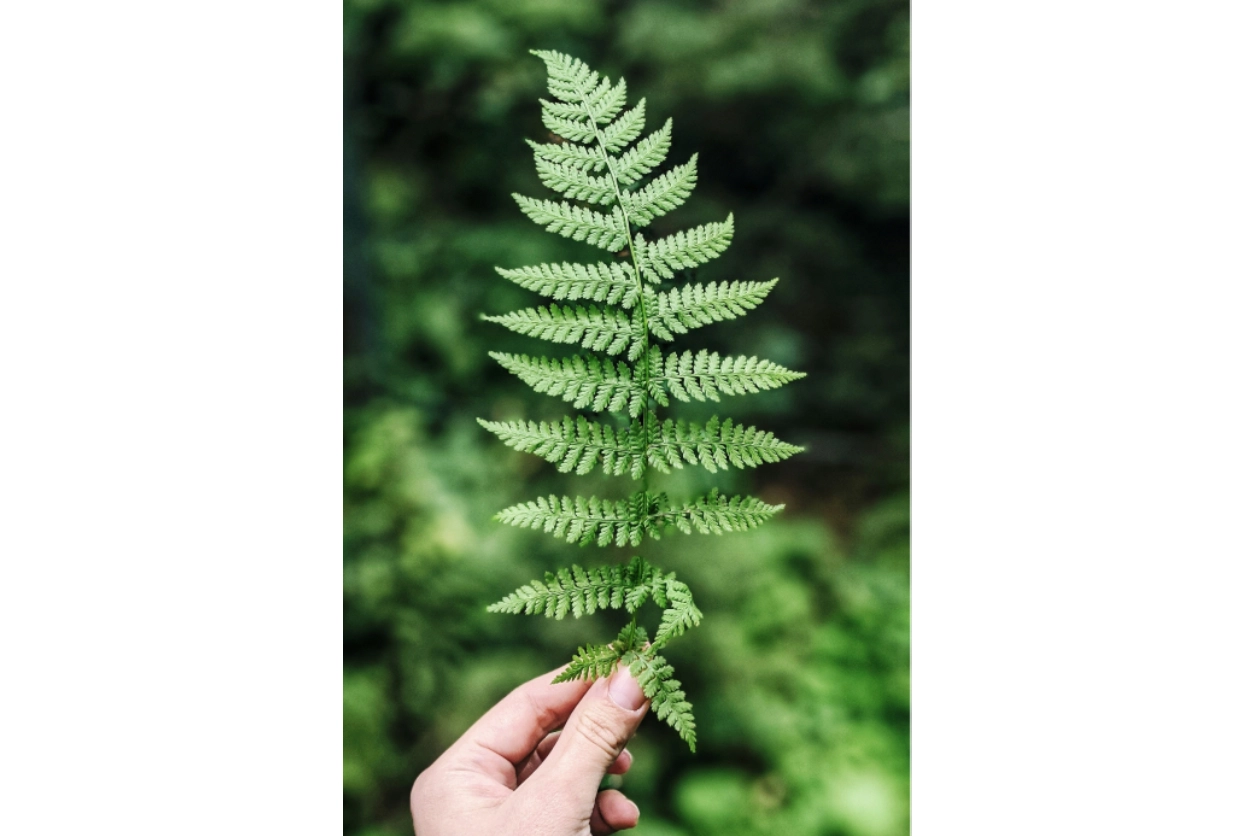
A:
(510, 775)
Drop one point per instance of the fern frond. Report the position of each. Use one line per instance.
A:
(568, 154)
(632, 637)
(577, 222)
(581, 593)
(683, 308)
(612, 283)
(577, 445)
(611, 331)
(715, 513)
(587, 520)
(680, 615)
(591, 661)
(643, 157)
(569, 78)
(596, 661)
(595, 100)
(662, 194)
(623, 131)
(576, 184)
(685, 249)
(585, 382)
(574, 128)
(713, 446)
(703, 375)
(605, 102)
(657, 680)
(581, 93)
(597, 157)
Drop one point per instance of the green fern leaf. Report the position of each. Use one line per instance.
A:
(686, 249)
(681, 309)
(714, 514)
(643, 157)
(576, 129)
(596, 156)
(585, 382)
(612, 283)
(582, 520)
(568, 154)
(632, 637)
(577, 222)
(604, 103)
(680, 615)
(662, 194)
(623, 131)
(656, 678)
(703, 375)
(569, 78)
(577, 445)
(590, 662)
(713, 446)
(595, 661)
(580, 593)
(575, 184)
(611, 331)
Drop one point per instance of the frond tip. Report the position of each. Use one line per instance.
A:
(715, 446)
(670, 703)
(702, 376)
(715, 514)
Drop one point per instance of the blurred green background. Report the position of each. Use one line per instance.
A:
(800, 673)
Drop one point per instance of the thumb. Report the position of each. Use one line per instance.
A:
(598, 729)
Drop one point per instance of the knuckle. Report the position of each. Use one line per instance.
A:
(601, 732)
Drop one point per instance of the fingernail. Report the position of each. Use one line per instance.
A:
(625, 691)
(634, 807)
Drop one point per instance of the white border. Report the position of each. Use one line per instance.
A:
(170, 332)
(1083, 440)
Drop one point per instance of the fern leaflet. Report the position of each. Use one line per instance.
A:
(611, 283)
(610, 331)
(656, 678)
(588, 383)
(578, 445)
(582, 593)
(684, 308)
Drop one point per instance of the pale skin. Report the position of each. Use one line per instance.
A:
(513, 773)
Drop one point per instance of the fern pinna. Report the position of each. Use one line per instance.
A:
(590, 161)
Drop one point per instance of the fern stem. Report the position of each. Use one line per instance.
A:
(635, 269)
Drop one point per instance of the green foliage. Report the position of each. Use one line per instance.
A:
(580, 445)
(657, 680)
(582, 593)
(586, 117)
(612, 283)
(800, 671)
(609, 331)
